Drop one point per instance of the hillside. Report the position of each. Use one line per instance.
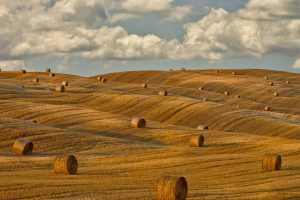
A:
(91, 120)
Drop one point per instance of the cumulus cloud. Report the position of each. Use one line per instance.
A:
(121, 17)
(12, 65)
(179, 13)
(146, 6)
(74, 28)
(271, 9)
(296, 65)
(116, 43)
(251, 31)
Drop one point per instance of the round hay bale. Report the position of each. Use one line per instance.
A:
(163, 93)
(226, 93)
(267, 108)
(22, 146)
(31, 121)
(52, 75)
(276, 94)
(99, 78)
(238, 107)
(271, 162)
(65, 164)
(103, 80)
(266, 77)
(171, 188)
(237, 96)
(271, 83)
(233, 73)
(65, 83)
(196, 141)
(202, 127)
(138, 122)
(287, 82)
(201, 88)
(217, 71)
(48, 70)
(144, 85)
(60, 89)
(35, 80)
(204, 99)
(23, 71)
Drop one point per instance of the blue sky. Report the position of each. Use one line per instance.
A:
(101, 36)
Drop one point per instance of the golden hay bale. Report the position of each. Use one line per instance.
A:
(99, 78)
(60, 89)
(163, 93)
(171, 188)
(201, 88)
(233, 73)
(276, 94)
(144, 85)
(23, 71)
(31, 121)
(52, 75)
(204, 99)
(22, 146)
(271, 162)
(237, 96)
(287, 82)
(271, 83)
(267, 108)
(65, 165)
(103, 80)
(226, 93)
(217, 71)
(48, 70)
(266, 77)
(196, 141)
(138, 122)
(202, 127)
(35, 80)
(65, 83)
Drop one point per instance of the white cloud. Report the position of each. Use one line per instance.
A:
(249, 32)
(12, 65)
(121, 17)
(179, 13)
(3, 11)
(146, 6)
(116, 43)
(296, 65)
(271, 9)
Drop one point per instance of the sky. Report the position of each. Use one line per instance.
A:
(88, 37)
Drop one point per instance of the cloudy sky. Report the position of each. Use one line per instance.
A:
(88, 37)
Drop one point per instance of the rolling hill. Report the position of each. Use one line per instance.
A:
(91, 120)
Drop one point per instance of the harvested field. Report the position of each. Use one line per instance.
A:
(92, 121)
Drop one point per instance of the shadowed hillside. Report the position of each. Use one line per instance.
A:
(91, 120)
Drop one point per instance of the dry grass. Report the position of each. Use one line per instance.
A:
(92, 121)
